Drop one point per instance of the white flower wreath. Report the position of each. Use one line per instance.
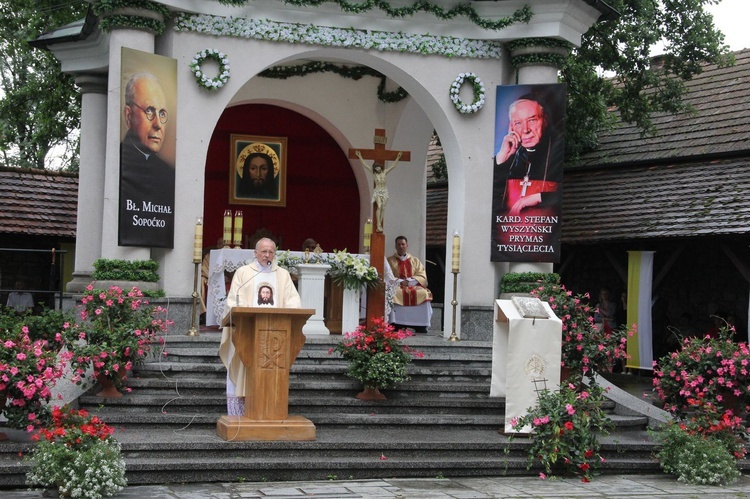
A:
(478, 102)
(201, 77)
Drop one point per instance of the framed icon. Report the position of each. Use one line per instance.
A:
(257, 173)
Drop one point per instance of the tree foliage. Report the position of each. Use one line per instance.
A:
(624, 48)
(39, 105)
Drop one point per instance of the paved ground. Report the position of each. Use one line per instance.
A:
(612, 487)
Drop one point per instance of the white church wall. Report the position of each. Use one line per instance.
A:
(352, 110)
(349, 111)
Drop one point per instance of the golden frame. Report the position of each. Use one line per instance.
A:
(264, 190)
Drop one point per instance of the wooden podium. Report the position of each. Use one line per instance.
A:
(267, 341)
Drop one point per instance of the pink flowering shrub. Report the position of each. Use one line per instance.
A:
(584, 347)
(115, 331)
(705, 373)
(566, 426)
(377, 357)
(28, 371)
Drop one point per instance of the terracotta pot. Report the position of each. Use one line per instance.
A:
(370, 394)
(109, 390)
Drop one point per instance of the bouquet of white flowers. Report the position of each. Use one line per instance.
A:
(352, 271)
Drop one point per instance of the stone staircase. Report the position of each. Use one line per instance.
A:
(441, 423)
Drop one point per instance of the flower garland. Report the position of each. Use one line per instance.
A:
(201, 77)
(310, 34)
(522, 15)
(355, 73)
(479, 93)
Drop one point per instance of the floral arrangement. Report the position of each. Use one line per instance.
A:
(523, 14)
(702, 454)
(201, 77)
(264, 29)
(377, 357)
(286, 260)
(479, 93)
(116, 331)
(566, 425)
(28, 370)
(78, 456)
(352, 271)
(585, 348)
(706, 372)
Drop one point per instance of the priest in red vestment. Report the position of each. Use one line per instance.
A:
(411, 299)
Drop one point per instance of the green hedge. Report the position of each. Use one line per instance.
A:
(124, 270)
(525, 282)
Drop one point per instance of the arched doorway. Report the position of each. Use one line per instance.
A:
(322, 199)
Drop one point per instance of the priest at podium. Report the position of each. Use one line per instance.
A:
(411, 299)
(252, 286)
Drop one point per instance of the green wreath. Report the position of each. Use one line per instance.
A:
(477, 103)
(200, 76)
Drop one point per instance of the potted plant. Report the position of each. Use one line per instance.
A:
(566, 426)
(585, 348)
(710, 373)
(116, 331)
(377, 357)
(702, 450)
(78, 456)
(28, 370)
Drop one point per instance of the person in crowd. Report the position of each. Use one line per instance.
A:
(606, 310)
(411, 300)
(19, 300)
(246, 291)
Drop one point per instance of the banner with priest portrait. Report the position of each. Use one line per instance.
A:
(528, 173)
(147, 149)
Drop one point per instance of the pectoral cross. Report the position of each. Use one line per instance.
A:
(524, 184)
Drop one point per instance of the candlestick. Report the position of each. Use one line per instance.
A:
(238, 229)
(198, 241)
(456, 260)
(227, 228)
(368, 235)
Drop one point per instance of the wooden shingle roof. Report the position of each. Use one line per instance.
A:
(720, 124)
(38, 202)
(691, 180)
(647, 202)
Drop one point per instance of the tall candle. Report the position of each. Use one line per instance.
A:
(227, 227)
(198, 241)
(368, 234)
(238, 229)
(456, 260)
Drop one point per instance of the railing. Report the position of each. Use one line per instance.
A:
(53, 280)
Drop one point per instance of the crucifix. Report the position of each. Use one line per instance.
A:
(379, 155)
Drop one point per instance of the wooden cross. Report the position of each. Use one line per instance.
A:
(379, 155)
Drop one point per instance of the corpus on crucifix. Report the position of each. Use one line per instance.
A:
(379, 155)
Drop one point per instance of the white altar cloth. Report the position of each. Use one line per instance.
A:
(526, 354)
(220, 260)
